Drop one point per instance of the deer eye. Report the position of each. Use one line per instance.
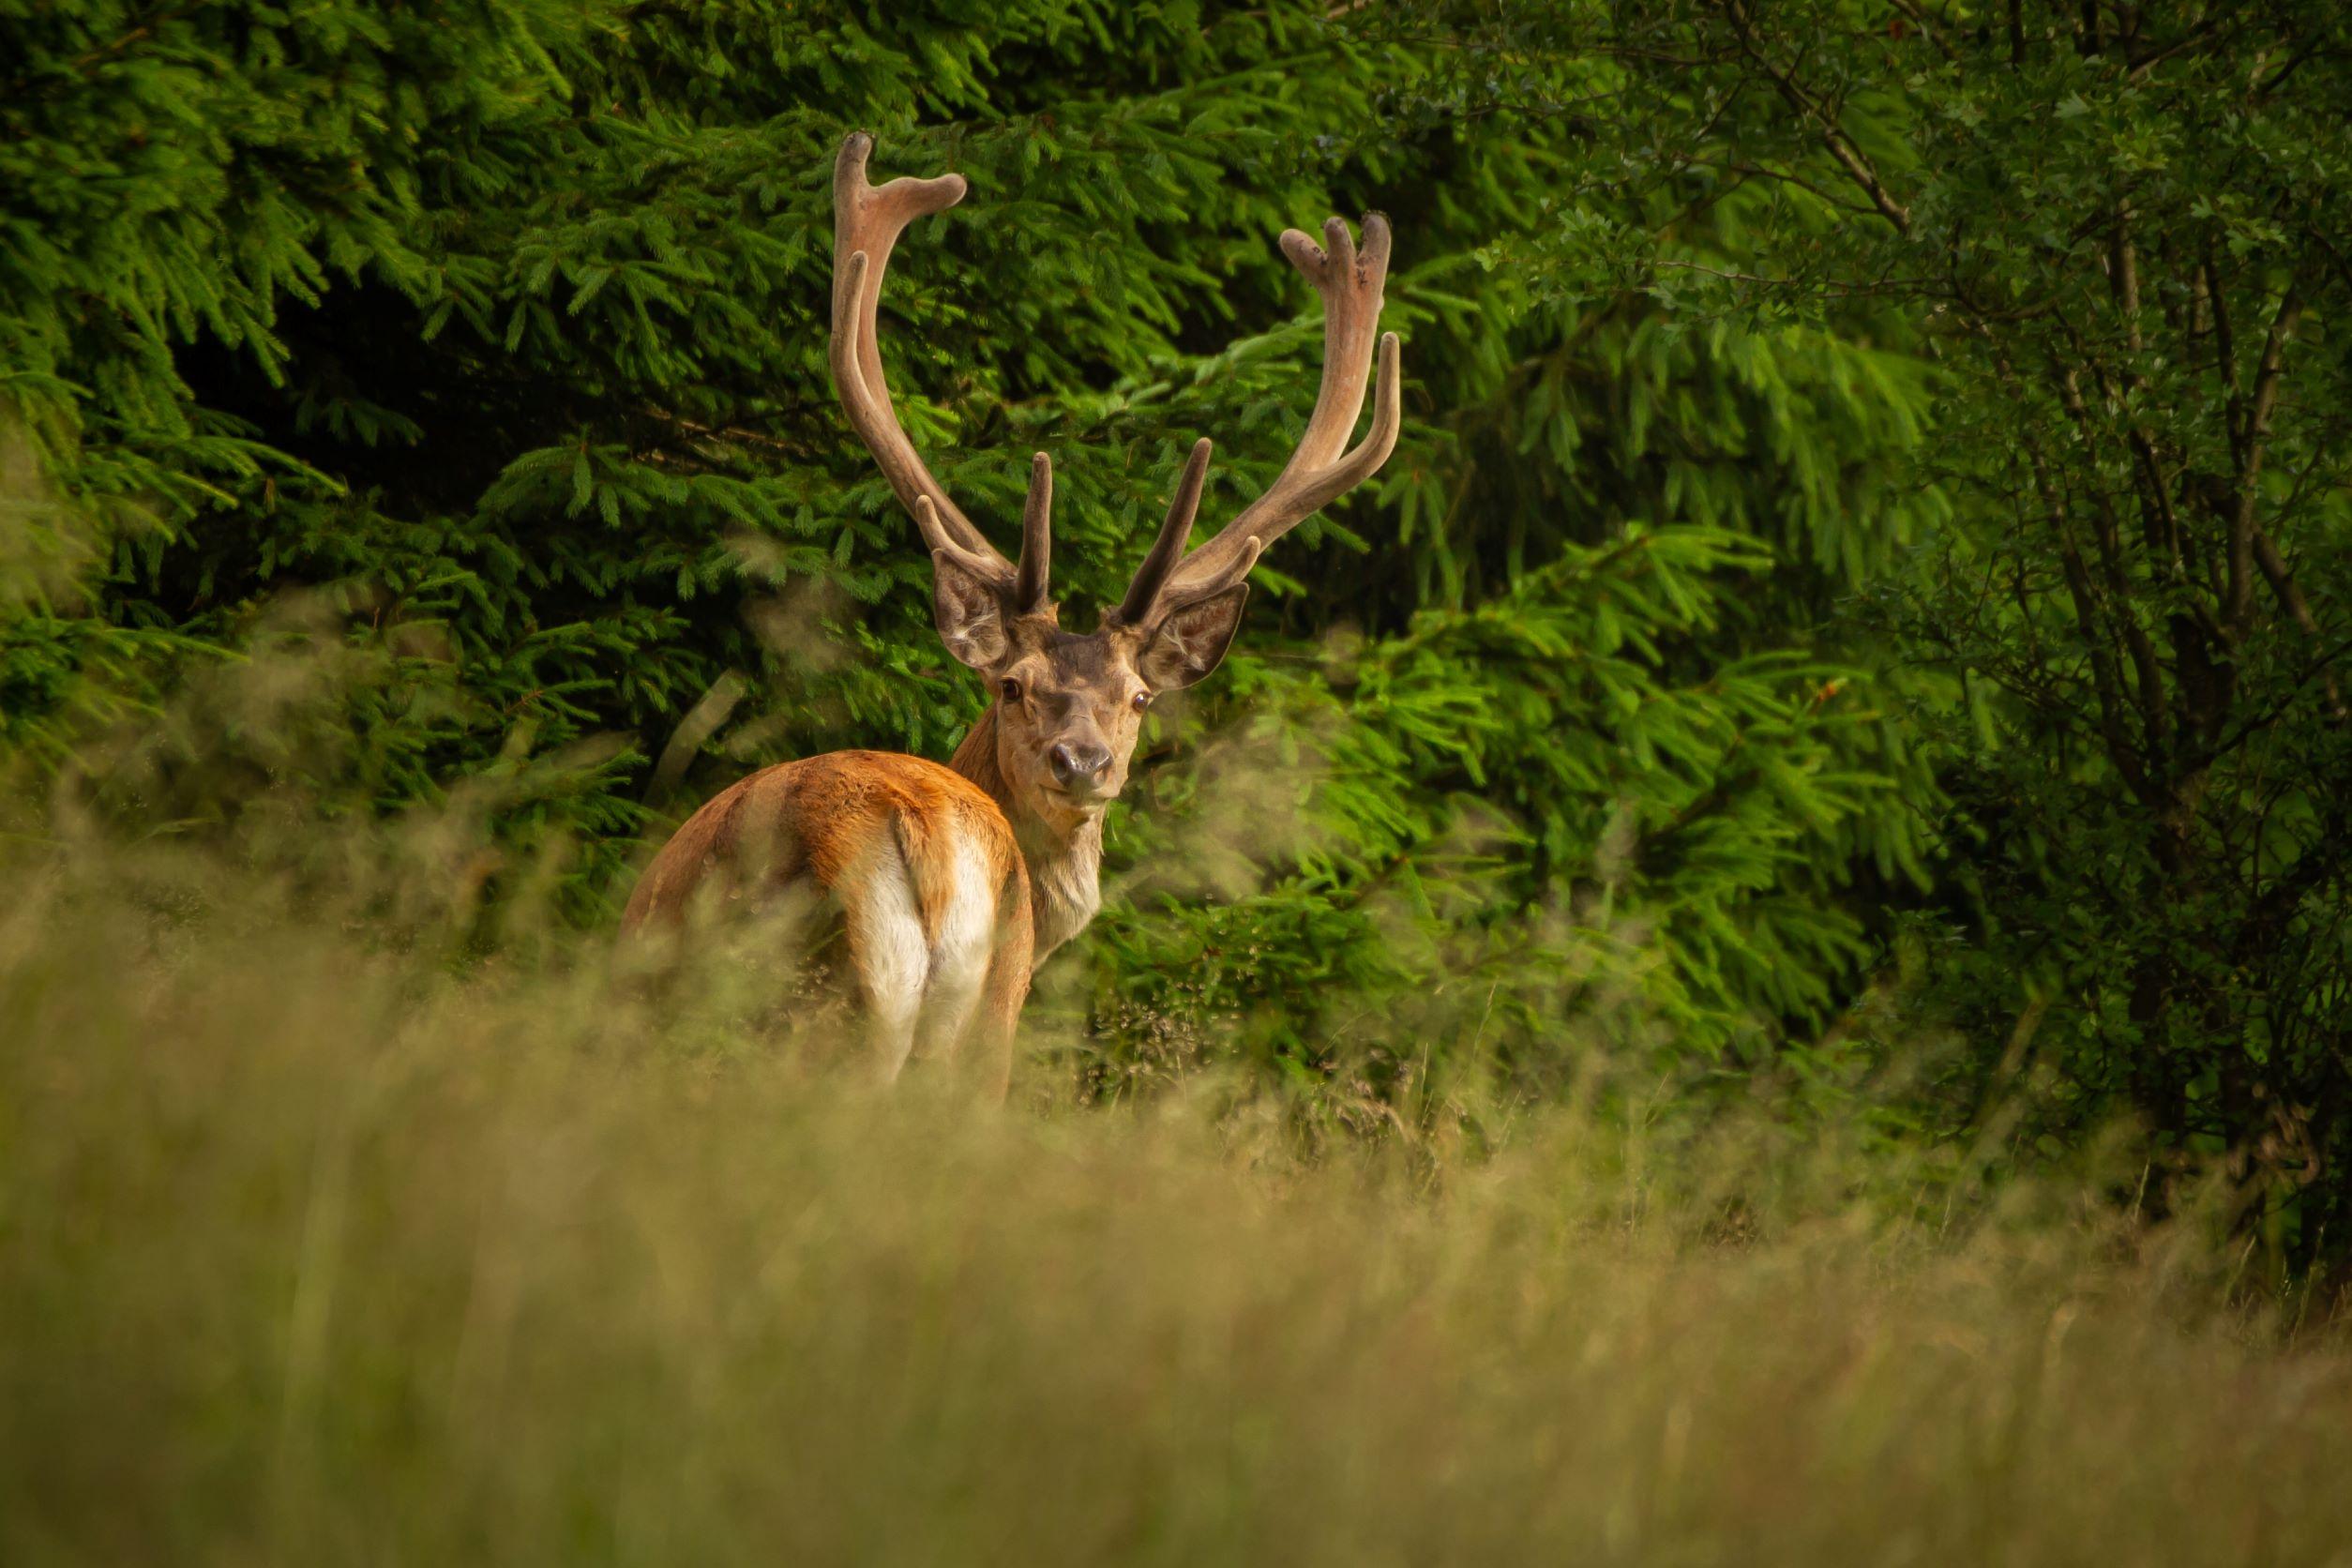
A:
(1142, 701)
(1012, 690)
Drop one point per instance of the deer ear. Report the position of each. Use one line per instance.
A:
(970, 617)
(1190, 640)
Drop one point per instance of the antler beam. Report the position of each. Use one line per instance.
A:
(868, 221)
(1323, 467)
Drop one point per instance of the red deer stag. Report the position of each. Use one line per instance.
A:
(953, 882)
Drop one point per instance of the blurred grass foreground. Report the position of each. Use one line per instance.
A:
(318, 1246)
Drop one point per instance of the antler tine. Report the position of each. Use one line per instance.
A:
(991, 569)
(1349, 279)
(1166, 549)
(1208, 586)
(868, 221)
(1036, 574)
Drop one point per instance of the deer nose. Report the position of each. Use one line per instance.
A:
(1082, 763)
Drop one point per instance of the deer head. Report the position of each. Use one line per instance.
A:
(1069, 705)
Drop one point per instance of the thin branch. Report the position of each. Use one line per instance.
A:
(1908, 287)
(2268, 375)
(2105, 679)
(1928, 29)
(2273, 566)
(2148, 60)
(1784, 176)
(2263, 90)
(2146, 671)
(1841, 147)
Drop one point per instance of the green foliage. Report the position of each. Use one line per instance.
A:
(2117, 232)
(500, 334)
(1523, 828)
(1882, 498)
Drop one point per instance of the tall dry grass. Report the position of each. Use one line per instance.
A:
(317, 1245)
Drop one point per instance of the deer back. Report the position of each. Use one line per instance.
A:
(837, 821)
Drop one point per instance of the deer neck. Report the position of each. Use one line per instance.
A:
(1064, 862)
